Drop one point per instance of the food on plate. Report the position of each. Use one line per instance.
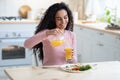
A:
(77, 67)
(85, 67)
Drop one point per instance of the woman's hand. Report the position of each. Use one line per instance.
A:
(54, 32)
(69, 55)
(72, 52)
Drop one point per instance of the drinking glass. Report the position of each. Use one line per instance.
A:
(68, 54)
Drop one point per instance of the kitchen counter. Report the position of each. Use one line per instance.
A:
(101, 71)
(98, 26)
(20, 22)
(91, 25)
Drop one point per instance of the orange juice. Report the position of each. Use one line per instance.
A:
(57, 42)
(68, 53)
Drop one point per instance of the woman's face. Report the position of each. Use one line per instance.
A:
(61, 19)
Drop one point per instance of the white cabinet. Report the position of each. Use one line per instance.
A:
(94, 46)
(117, 53)
(103, 47)
(18, 26)
(78, 32)
(83, 44)
(102, 51)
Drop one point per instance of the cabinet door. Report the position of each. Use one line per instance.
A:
(105, 37)
(83, 44)
(103, 48)
(86, 54)
(79, 40)
(117, 53)
(102, 52)
(117, 42)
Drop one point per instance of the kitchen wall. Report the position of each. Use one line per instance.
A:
(10, 7)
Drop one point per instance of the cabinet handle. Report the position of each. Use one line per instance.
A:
(118, 38)
(0, 41)
(100, 44)
(101, 33)
(81, 28)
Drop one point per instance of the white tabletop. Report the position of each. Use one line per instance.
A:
(101, 71)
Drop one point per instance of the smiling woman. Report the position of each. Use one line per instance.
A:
(57, 20)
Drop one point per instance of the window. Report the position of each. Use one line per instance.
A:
(99, 7)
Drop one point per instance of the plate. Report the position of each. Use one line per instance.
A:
(73, 68)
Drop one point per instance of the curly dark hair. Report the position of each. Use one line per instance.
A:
(48, 22)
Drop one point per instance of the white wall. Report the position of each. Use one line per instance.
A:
(10, 7)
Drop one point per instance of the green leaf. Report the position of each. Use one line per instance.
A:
(87, 67)
(109, 19)
(82, 68)
(107, 12)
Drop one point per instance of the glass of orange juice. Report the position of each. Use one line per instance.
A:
(68, 54)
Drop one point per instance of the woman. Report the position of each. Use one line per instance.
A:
(57, 19)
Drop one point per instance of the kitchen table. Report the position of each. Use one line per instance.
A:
(100, 71)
